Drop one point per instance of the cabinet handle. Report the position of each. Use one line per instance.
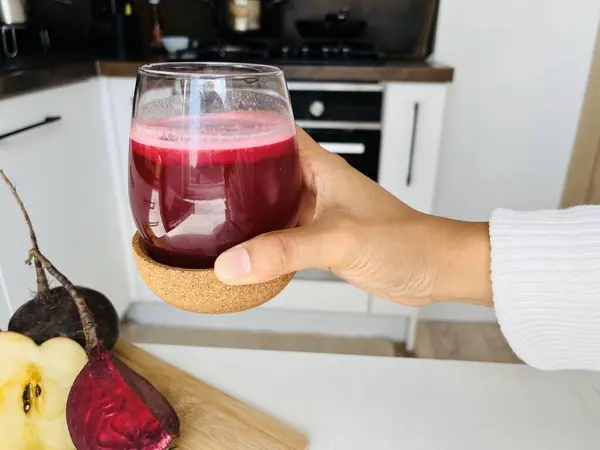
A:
(411, 155)
(47, 120)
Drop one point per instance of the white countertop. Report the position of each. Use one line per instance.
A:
(344, 402)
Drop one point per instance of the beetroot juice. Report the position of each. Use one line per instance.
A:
(201, 185)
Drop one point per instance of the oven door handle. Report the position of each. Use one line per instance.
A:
(344, 148)
(336, 125)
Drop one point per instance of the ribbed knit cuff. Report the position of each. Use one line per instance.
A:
(546, 285)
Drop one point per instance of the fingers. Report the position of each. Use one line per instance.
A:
(274, 254)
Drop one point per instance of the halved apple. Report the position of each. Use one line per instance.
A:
(35, 381)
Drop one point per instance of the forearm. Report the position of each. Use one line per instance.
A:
(462, 260)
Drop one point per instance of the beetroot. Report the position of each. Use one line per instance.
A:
(52, 313)
(110, 406)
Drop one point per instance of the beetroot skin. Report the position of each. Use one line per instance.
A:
(112, 407)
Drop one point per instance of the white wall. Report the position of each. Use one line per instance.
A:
(520, 74)
(512, 112)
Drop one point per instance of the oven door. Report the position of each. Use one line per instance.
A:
(359, 147)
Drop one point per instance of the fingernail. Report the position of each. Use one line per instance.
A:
(232, 264)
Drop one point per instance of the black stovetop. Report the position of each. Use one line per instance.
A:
(283, 51)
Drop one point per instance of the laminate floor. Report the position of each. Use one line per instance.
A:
(463, 341)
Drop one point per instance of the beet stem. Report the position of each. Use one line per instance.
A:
(42, 280)
(87, 319)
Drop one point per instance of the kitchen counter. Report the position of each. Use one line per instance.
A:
(361, 402)
(42, 74)
(409, 71)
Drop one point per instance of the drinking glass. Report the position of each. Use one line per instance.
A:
(213, 159)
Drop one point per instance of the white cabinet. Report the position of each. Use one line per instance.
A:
(410, 143)
(118, 93)
(64, 175)
(321, 295)
(5, 308)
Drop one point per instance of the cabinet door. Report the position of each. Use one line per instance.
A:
(410, 144)
(64, 175)
(119, 91)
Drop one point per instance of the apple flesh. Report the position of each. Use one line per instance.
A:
(35, 381)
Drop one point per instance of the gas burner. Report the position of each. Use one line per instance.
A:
(335, 51)
(282, 52)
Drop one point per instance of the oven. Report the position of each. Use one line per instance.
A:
(345, 119)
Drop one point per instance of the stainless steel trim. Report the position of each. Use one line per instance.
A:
(333, 125)
(334, 87)
(344, 148)
(13, 12)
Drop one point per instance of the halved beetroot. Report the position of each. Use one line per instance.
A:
(112, 407)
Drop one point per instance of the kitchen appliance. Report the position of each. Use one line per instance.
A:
(337, 26)
(248, 18)
(13, 17)
(343, 118)
(404, 29)
(19, 44)
(13, 12)
(283, 51)
(8, 36)
(243, 15)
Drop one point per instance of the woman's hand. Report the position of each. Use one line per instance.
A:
(352, 226)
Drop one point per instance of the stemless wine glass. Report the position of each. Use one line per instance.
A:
(213, 159)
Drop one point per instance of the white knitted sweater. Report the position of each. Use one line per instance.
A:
(546, 284)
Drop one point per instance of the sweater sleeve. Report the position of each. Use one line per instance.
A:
(546, 285)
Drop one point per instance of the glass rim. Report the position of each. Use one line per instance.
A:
(167, 69)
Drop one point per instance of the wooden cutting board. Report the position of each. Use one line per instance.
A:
(210, 419)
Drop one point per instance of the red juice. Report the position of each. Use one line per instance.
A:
(199, 185)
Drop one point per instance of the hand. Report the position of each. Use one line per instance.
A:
(352, 226)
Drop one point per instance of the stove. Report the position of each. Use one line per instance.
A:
(312, 52)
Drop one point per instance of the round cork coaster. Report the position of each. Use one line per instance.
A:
(199, 290)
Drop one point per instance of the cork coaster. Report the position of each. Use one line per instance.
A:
(199, 290)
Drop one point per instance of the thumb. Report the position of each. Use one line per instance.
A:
(272, 255)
